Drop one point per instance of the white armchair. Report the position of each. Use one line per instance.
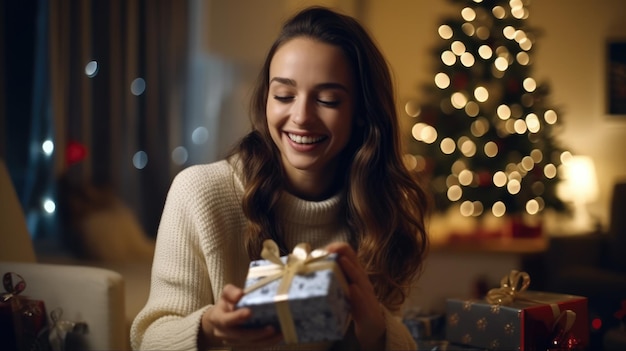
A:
(87, 294)
(91, 295)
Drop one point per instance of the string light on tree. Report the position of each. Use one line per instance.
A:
(484, 133)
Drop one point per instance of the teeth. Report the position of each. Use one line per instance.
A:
(304, 139)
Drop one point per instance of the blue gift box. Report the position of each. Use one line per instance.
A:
(316, 302)
(424, 326)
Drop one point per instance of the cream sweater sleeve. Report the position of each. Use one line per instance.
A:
(190, 255)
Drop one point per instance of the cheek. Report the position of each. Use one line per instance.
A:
(274, 112)
(346, 133)
(342, 128)
(273, 120)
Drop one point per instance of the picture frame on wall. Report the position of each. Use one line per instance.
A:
(616, 77)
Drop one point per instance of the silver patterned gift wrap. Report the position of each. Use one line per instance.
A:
(302, 294)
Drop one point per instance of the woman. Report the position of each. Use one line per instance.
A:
(321, 165)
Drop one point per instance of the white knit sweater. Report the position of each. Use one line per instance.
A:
(200, 248)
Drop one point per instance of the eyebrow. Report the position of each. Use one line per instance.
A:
(291, 82)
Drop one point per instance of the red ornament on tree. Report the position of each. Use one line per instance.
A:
(484, 178)
(512, 86)
(459, 81)
(428, 115)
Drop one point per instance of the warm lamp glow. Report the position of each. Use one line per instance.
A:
(579, 187)
(580, 183)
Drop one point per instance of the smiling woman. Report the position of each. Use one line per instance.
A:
(309, 114)
(321, 165)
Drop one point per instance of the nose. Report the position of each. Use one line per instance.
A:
(303, 111)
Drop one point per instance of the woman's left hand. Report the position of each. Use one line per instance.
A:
(369, 319)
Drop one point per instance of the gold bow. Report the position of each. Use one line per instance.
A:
(13, 284)
(300, 261)
(510, 286)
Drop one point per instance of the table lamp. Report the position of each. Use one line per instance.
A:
(579, 187)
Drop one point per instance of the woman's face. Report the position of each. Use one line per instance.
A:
(310, 107)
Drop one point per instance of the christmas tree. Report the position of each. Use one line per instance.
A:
(484, 133)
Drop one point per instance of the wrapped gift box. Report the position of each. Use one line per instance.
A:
(22, 320)
(314, 305)
(528, 323)
(7, 326)
(424, 326)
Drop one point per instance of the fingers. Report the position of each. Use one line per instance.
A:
(232, 293)
(343, 249)
(366, 312)
(361, 292)
(224, 314)
(369, 320)
(355, 274)
(222, 324)
(228, 319)
(350, 265)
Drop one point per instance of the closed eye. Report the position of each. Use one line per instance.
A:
(329, 103)
(283, 98)
(289, 98)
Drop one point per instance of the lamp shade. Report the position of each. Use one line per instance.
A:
(580, 183)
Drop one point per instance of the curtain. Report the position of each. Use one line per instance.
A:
(128, 92)
(117, 81)
(26, 119)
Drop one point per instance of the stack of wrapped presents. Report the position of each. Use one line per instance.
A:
(304, 295)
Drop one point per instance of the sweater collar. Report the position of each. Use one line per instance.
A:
(293, 209)
(296, 210)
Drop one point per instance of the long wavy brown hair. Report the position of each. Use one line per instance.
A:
(385, 203)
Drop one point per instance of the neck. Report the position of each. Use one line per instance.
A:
(312, 186)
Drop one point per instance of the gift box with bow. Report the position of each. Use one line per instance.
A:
(302, 294)
(22, 320)
(514, 318)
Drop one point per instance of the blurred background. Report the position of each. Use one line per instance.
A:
(130, 92)
(127, 93)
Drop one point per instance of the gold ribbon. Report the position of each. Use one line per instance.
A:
(511, 286)
(566, 319)
(300, 261)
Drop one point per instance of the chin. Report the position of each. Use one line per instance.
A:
(302, 164)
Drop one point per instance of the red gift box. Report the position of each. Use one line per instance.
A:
(7, 326)
(513, 318)
(22, 320)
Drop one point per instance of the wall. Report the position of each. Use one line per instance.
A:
(570, 56)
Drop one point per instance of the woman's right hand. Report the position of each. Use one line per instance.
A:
(221, 324)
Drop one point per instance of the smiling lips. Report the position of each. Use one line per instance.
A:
(305, 140)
